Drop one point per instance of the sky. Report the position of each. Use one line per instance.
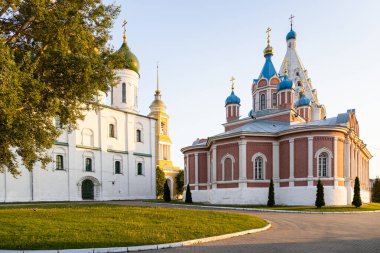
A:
(200, 44)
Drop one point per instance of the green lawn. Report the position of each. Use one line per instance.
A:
(365, 207)
(64, 226)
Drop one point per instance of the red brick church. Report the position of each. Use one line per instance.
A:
(286, 137)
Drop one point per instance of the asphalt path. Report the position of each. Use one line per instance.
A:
(293, 233)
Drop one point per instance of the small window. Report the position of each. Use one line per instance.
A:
(139, 169)
(274, 99)
(59, 162)
(111, 130)
(259, 171)
(262, 102)
(57, 122)
(299, 83)
(124, 93)
(88, 164)
(117, 167)
(323, 165)
(297, 73)
(138, 135)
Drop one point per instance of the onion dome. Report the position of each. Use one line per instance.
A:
(268, 70)
(303, 101)
(285, 84)
(291, 35)
(232, 99)
(125, 59)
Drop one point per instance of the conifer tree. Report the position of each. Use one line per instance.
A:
(188, 198)
(376, 191)
(160, 181)
(167, 197)
(357, 201)
(320, 198)
(179, 179)
(271, 201)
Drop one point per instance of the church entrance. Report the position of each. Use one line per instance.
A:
(87, 189)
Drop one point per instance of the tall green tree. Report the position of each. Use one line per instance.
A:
(357, 200)
(167, 196)
(320, 198)
(54, 61)
(376, 191)
(160, 182)
(271, 202)
(179, 179)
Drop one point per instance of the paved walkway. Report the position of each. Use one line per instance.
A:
(306, 233)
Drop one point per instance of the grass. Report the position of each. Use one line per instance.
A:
(65, 226)
(365, 207)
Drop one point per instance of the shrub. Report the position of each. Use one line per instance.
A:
(357, 201)
(376, 191)
(320, 198)
(271, 201)
(179, 182)
(160, 181)
(188, 198)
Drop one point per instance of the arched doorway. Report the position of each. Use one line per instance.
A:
(87, 189)
(170, 182)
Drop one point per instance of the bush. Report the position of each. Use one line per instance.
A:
(167, 197)
(320, 198)
(357, 201)
(271, 201)
(180, 182)
(188, 198)
(376, 191)
(160, 181)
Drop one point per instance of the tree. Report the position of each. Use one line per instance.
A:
(167, 197)
(160, 182)
(54, 61)
(188, 198)
(320, 198)
(271, 201)
(179, 182)
(357, 201)
(376, 191)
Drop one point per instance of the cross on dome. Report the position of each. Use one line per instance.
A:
(268, 34)
(125, 30)
(232, 82)
(291, 20)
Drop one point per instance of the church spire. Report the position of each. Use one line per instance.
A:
(268, 50)
(158, 91)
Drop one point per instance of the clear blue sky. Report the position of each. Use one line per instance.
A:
(201, 43)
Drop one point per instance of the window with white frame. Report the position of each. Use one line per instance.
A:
(262, 102)
(124, 93)
(140, 169)
(323, 164)
(59, 162)
(111, 130)
(88, 164)
(117, 167)
(274, 99)
(259, 168)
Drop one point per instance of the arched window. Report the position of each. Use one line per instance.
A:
(262, 102)
(259, 168)
(88, 164)
(111, 130)
(323, 164)
(274, 99)
(138, 135)
(117, 167)
(124, 93)
(228, 162)
(59, 162)
(139, 169)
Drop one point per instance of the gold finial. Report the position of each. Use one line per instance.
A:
(291, 20)
(232, 83)
(125, 31)
(268, 35)
(286, 67)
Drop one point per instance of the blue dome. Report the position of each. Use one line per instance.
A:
(232, 99)
(291, 35)
(303, 101)
(285, 84)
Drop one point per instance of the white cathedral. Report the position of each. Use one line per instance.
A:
(110, 156)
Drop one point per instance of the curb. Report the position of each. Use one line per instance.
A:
(145, 247)
(259, 210)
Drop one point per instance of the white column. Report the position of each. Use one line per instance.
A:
(276, 163)
(291, 162)
(310, 161)
(269, 105)
(335, 161)
(187, 170)
(243, 164)
(208, 170)
(347, 169)
(213, 181)
(196, 171)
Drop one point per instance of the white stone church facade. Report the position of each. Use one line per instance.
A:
(110, 156)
